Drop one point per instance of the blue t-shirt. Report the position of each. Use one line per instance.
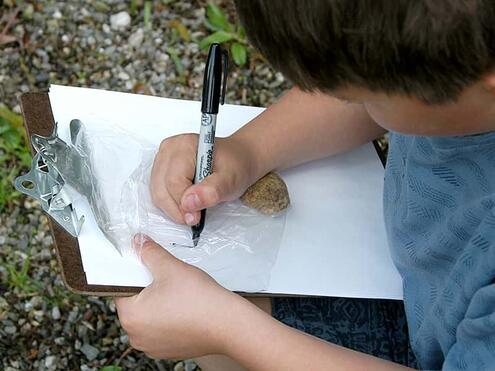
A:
(439, 205)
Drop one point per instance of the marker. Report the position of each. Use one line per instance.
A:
(213, 96)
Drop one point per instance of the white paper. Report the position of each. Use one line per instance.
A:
(334, 242)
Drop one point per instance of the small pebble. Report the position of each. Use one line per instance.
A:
(120, 20)
(50, 361)
(11, 330)
(90, 351)
(136, 38)
(55, 313)
(123, 76)
(124, 339)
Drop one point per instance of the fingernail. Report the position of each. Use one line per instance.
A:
(191, 202)
(140, 239)
(189, 218)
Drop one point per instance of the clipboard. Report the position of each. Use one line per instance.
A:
(38, 119)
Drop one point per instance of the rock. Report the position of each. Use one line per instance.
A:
(11, 330)
(90, 351)
(100, 6)
(55, 313)
(38, 315)
(57, 14)
(189, 365)
(269, 195)
(124, 339)
(120, 20)
(91, 40)
(34, 303)
(124, 76)
(136, 38)
(73, 315)
(28, 11)
(3, 303)
(50, 361)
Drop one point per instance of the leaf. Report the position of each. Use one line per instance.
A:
(181, 29)
(177, 62)
(12, 138)
(217, 19)
(133, 8)
(111, 368)
(4, 126)
(14, 119)
(217, 37)
(241, 33)
(239, 53)
(25, 158)
(147, 14)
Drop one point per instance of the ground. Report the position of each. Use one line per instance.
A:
(146, 47)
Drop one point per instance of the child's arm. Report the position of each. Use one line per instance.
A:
(184, 313)
(306, 126)
(259, 342)
(298, 128)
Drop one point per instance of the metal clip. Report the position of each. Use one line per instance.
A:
(45, 184)
(59, 167)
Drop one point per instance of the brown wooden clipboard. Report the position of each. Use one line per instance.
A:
(38, 119)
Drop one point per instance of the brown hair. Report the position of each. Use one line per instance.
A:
(430, 49)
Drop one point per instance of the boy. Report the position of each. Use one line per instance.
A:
(423, 71)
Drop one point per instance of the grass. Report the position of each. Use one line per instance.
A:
(14, 155)
(20, 278)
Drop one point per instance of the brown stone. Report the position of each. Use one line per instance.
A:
(269, 195)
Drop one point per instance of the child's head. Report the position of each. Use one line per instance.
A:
(431, 52)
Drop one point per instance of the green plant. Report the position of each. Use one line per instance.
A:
(225, 32)
(14, 154)
(19, 278)
(174, 54)
(111, 368)
(147, 14)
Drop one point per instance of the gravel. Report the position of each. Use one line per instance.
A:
(120, 21)
(98, 44)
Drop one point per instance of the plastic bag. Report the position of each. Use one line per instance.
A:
(238, 245)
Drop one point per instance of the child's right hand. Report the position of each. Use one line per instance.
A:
(172, 189)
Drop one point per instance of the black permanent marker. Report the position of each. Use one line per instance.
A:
(213, 96)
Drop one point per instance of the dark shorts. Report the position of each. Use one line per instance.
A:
(376, 327)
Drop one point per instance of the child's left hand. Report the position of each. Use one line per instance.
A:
(184, 313)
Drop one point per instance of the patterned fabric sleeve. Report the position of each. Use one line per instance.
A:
(474, 348)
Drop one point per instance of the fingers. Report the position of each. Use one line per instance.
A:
(153, 256)
(172, 188)
(162, 199)
(212, 190)
(170, 177)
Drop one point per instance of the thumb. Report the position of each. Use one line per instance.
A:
(212, 190)
(154, 257)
